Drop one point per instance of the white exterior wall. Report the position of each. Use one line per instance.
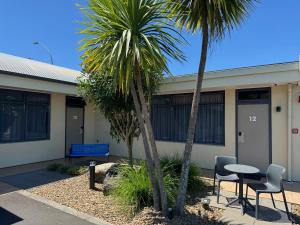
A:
(279, 125)
(203, 155)
(18, 153)
(296, 137)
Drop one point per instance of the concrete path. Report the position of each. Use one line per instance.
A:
(267, 214)
(33, 179)
(292, 189)
(19, 207)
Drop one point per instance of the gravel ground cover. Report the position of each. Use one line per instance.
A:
(74, 192)
(296, 213)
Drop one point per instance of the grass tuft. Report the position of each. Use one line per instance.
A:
(71, 170)
(53, 166)
(172, 165)
(133, 188)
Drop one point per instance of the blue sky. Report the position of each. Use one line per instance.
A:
(270, 34)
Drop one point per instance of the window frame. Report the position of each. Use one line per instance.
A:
(25, 137)
(195, 142)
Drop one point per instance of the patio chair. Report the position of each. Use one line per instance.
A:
(222, 174)
(273, 185)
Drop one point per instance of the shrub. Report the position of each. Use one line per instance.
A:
(75, 171)
(133, 188)
(71, 170)
(63, 169)
(54, 166)
(172, 165)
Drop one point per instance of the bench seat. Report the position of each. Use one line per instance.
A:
(93, 150)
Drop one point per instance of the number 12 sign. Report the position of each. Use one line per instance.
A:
(252, 118)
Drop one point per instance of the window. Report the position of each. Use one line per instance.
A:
(254, 95)
(24, 116)
(170, 117)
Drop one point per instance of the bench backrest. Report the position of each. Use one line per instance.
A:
(89, 149)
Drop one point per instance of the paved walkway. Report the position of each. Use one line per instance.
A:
(15, 208)
(292, 189)
(267, 216)
(19, 207)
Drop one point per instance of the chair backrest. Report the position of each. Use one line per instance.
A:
(275, 175)
(221, 161)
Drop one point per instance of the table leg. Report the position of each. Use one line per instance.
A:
(241, 197)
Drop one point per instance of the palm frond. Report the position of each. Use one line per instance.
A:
(120, 33)
(221, 15)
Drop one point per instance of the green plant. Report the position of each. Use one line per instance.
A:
(54, 166)
(129, 40)
(71, 170)
(133, 188)
(172, 165)
(77, 170)
(63, 169)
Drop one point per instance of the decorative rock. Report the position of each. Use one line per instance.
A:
(103, 169)
(109, 183)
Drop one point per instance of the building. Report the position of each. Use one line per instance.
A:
(251, 112)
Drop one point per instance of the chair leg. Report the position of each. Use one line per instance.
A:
(246, 191)
(236, 185)
(257, 206)
(214, 187)
(285, 204)
(273, 200)
(218, 195)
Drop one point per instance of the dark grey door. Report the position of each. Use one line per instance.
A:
(74, 126)
(254, 127)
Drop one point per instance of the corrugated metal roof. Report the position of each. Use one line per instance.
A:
(35, 69)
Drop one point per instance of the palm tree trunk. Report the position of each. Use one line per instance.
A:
(145, 112)
(149, 160)
(181, 195)
(129, 148)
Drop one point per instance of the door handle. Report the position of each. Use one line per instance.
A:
(241, 137)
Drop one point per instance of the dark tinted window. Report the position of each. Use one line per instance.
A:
(251, 95)
(170, 117)
(24, 116)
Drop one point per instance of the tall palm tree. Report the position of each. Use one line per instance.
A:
(128, 39)
(213, 18)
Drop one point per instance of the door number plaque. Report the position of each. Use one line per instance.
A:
(252, 118)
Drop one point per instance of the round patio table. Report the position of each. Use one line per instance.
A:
(241, 170)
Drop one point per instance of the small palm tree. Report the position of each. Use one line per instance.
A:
(213, 18)
(129, 39)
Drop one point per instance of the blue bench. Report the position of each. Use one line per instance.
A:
(92, 150)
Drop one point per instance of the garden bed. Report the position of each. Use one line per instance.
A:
(296, 213)
(74, 192)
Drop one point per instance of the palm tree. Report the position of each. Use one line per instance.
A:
(129, 39)
(213, 18)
